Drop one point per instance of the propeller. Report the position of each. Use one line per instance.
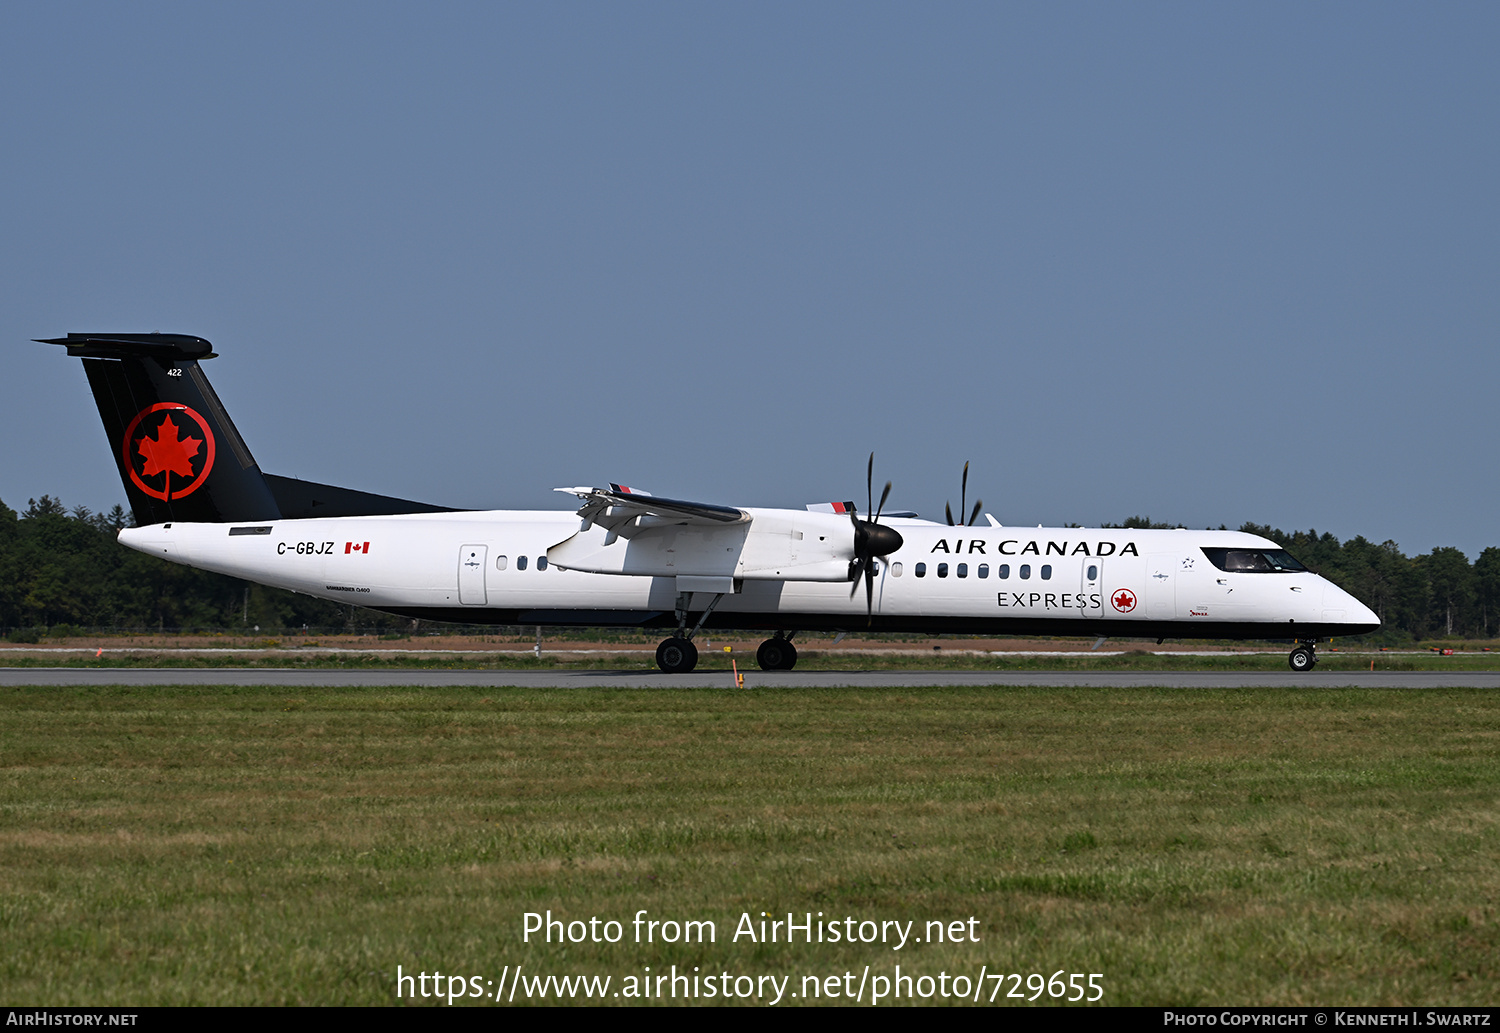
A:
(963, 498)
(871, 540)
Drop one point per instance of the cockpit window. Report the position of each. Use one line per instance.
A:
(1253, 561)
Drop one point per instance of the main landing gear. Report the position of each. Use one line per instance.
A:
(777, 653)
(1304, 657)
(678, 655)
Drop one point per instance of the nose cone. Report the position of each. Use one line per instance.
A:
(1339, 607)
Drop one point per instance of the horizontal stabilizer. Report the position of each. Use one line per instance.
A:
(169, 347)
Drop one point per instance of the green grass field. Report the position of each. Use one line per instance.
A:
(261, 846)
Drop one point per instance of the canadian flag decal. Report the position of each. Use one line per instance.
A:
(363, 547)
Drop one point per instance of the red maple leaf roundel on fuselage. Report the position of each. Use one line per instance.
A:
(1123, 600)
(170, 442)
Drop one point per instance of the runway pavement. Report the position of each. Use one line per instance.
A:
(755, 679)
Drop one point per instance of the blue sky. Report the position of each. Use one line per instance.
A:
(1210, 263)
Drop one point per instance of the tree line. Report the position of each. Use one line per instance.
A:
(62, 568)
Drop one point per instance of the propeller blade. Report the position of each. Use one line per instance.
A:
(871, 539)
(859, 565)
(948, 510)
(978, 505)
(963, 491)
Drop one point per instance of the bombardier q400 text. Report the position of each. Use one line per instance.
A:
(627, 558)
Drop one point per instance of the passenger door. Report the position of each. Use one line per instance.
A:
(1091, 587)
(471, 564)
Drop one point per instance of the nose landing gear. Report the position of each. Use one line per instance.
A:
(1304, 657)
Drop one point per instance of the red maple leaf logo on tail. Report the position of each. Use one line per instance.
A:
(167, 452)
(170, 452)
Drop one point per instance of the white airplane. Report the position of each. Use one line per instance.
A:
(626, 558)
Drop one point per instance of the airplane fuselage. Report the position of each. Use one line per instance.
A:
(492, 568)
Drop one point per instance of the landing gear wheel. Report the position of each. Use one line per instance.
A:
(776, 654)
(1302, 659)
(677, 656)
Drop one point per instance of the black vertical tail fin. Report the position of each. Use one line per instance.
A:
(179, 455)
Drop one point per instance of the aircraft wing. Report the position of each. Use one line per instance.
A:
(624, 511)
(675, 538)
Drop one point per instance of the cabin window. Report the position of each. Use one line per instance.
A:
(520, 562)
(963, 570)
(921, 570)
(895, 569)
(1046, 572)
(501, 562)
(1093, 572)
(942, 570)
(1025, 571)
(541, 563)
(984, 570)
(1003, 571)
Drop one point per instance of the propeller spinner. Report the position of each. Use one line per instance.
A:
(871, 540)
